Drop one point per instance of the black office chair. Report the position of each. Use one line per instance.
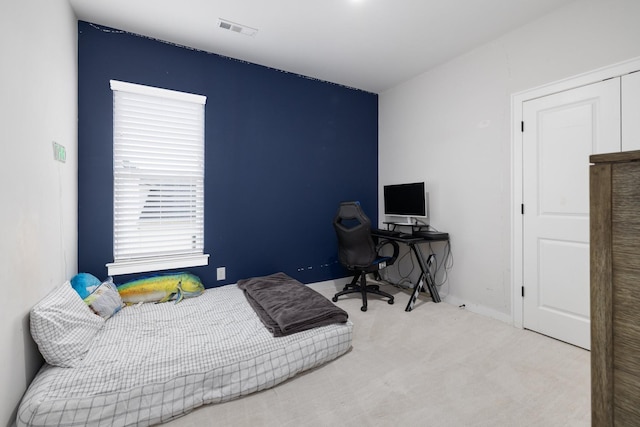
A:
(358, 253)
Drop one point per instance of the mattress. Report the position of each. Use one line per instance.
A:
(154, 362)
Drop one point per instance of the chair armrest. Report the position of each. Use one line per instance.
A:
(396, 249)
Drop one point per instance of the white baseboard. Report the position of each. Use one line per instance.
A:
(480, 309)
(336, 283)
(474, 308)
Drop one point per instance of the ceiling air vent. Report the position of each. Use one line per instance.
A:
(237, 28)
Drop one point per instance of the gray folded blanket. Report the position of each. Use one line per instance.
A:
(286, 306)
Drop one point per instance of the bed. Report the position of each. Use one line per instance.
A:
(151, 363)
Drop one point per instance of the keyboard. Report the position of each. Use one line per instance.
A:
(406, 235)
(389, 233)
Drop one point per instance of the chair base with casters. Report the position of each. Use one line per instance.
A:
(363, 289)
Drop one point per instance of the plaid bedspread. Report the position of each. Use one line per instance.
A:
(155, 362)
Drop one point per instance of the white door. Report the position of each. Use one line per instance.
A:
(560, 132)
(631, 111)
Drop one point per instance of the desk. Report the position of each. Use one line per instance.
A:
(413, 241)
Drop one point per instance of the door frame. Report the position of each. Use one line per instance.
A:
(517, 100)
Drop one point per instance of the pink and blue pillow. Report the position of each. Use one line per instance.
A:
(102, 297)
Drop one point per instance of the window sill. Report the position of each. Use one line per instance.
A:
(156, 264)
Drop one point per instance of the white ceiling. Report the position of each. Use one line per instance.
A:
(371, 45)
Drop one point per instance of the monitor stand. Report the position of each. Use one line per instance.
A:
(409, 222)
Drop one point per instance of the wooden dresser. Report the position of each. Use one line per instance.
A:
(615, 288)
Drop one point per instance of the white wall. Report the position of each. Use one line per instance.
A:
(38, 219)
(451, 127)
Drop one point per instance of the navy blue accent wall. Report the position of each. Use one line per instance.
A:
(281, 152)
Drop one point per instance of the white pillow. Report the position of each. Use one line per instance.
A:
(63, 326)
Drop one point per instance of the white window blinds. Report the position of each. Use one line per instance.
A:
(158, 171)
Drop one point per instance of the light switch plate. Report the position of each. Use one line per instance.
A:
(59, 152)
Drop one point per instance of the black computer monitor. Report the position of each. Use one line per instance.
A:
(405, 200)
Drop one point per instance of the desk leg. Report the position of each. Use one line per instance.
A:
(431, 284)
(414, 295)
(425, 278)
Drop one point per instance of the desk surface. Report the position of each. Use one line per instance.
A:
(431, 235)
(416, 236)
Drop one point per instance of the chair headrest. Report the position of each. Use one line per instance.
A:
(351, 211)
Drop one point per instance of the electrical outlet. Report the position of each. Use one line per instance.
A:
(221, 273)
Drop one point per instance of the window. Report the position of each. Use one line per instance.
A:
(158, 179)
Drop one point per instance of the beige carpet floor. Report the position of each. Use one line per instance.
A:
(438, 365)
